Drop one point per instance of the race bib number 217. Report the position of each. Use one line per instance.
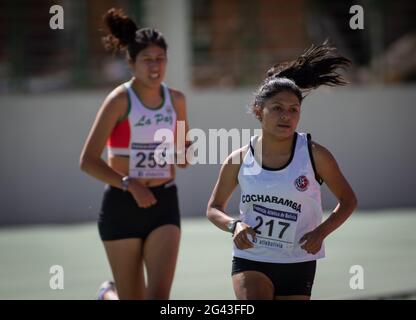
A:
(274, 228)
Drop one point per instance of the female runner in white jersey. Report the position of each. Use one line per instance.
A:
(280, 233)
(139, 221)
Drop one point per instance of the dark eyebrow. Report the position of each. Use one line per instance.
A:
(150, 56)
(281, 104)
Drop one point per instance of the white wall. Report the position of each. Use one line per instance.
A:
(370, 132)
(172, 18)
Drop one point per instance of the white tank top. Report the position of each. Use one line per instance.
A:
(134, 136)
(280, 204)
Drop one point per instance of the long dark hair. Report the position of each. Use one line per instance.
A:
(315, 67)
(125, 35)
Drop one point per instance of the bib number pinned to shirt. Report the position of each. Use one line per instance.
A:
(147, 162)
(274, 228)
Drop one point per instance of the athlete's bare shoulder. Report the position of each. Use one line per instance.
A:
(324, 160)
(237, 156)
(118, 95)
(231, 166)
(117, 101)
(178, 99)
(320, 153)
(176, 94)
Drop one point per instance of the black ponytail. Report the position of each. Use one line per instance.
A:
(315, 67)
(125, 35)
(122, 30)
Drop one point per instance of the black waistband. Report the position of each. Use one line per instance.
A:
(166, 185)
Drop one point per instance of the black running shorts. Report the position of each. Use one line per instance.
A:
(120, 217)
(288, 278)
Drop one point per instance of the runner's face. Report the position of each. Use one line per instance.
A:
(150, 66)
(280, 114)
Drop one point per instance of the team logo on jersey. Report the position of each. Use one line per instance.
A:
(302, 183)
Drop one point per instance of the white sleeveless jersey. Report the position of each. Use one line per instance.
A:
(134, 136)
(281, 205)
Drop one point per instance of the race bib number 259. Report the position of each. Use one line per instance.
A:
(147, 161)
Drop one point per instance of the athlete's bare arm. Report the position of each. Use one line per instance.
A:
(328, 169)
(179, 102)
(113, 108)
(225, 186)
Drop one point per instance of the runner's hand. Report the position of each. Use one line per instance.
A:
(240, 236)
(142, 194)
(312, 241)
